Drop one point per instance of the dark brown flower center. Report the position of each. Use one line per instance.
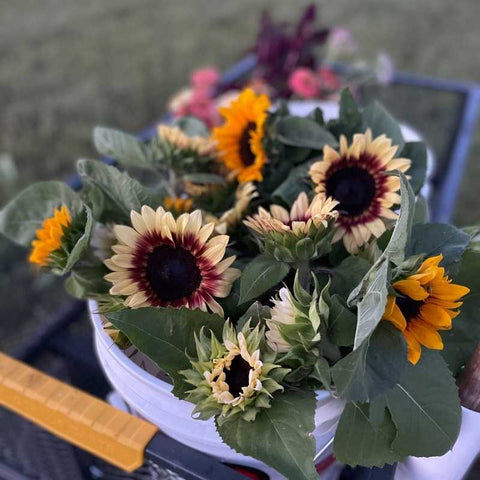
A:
(237, 377)
(409, 307)
(172, 272)
(246, 154)
(353, 187)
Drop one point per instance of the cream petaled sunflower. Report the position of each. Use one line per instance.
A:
(233, 376)
(425, 302)
(302, 216)
(178, 140)
(357, 177)
(240, 139)
(162, 261)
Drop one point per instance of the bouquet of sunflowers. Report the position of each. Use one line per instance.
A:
(267, 259)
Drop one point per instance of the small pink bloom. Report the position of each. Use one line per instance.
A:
(205, 77)
(329, 80)
(305, 83)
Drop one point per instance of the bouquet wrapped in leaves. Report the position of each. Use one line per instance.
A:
(267, 259)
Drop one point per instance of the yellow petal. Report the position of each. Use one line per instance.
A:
(425, 334)
(396, 317)
(414, 348)
(436, 316)
(411, 288)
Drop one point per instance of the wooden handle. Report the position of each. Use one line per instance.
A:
(73, 415)
(469, 387)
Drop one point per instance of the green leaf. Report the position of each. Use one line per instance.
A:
(417, 153)
(294, 184)
(192, 126)
(256, 314)
(342, 322)
(25, 213)
(374, 367)
(126, 149)
(375, 117)
(304, 132)
(359, 442)
(348, 275)
(395, 250)
(81, 245)
(204, 179)
(460, 342)
(372, 306)
(261, 274)
(434, 238)
(167, 336)
(280, 436)
(421, 214)
(349, 119)
(86, 282)
(124, 192)
(425, 408)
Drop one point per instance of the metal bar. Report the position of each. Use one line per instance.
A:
(187, 462)
(446, 195)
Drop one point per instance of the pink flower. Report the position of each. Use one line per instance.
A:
(329, 80)
(206, 77)
(305, 83)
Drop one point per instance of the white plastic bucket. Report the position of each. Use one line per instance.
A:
(151, 398)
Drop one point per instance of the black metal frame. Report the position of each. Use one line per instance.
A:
(191, 464)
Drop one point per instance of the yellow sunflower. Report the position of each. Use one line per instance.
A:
(239, 140)
(356, 176)
(178, 205)
(424, 303)
(163, 261)
(49, 237)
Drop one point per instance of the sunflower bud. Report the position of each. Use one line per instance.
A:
(234, 376)
(300, 234)
(295, 320)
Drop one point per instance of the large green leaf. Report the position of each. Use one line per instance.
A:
(280, 436)
(126, 149)
(358, 441)
(85, 282)
(371, 307)
(425, 408)
(167, 336)
(375, 117)
(374, 367)
(342, 322)
(304, 132)
(349, 119)
(81, 244)
(294, 184)
(261, 274)
(348, 275)
(25, 213)
(460, 342)
(434, 238)
(417, 153)
(395, 250)
(123, 191)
